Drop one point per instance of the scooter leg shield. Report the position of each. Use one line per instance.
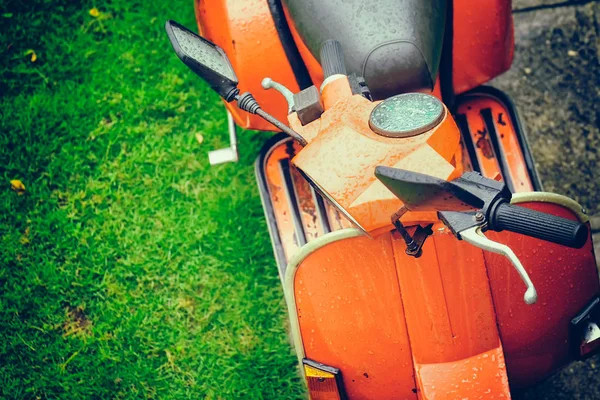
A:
(346, 311)
(394, 325)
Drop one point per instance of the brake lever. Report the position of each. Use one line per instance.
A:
(268, 83)
(475, 236)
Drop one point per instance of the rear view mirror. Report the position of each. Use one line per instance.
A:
(206, 59)
(420, 192)
(210, 63)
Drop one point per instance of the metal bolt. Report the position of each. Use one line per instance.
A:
(479, 216)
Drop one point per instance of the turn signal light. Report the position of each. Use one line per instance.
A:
(585, 330)
(324, 382)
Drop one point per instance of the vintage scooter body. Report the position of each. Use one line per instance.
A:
(368, 319)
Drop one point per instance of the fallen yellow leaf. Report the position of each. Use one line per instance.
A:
(94, 12)
(17, 186)
(199, 138)
(33, 55)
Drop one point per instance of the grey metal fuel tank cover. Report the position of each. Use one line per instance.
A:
(407, 115)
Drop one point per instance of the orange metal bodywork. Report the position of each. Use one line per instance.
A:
(466, 329)
(351, 316)
(344, 292)
(483, 41)
(535, 338)
(308, 207)
(456, 349)
(244, 29)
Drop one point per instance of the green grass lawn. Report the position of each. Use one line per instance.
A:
(129, 268)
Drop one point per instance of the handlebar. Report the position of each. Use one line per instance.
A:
(332, 58)
(537, 224)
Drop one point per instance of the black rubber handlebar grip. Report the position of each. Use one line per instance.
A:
(540, 225)
(332, 58)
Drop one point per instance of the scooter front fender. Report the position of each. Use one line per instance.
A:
(396, 326)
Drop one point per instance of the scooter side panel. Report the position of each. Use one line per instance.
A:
(365, 307)
(245, 30)
(535, 338)
(482, 43)
(350, 315)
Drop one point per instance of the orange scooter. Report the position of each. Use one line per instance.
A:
(418, 255)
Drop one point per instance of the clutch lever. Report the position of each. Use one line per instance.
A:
(476, 237)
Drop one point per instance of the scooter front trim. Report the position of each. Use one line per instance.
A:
(290, 275)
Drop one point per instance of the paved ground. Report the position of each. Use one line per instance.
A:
(555, 83)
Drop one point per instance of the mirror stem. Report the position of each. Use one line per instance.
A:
(284, 128)
(247, 103)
